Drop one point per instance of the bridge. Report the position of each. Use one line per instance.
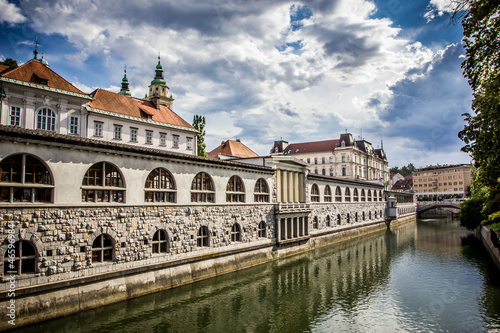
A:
(438, 208)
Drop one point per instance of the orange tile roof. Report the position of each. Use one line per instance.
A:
(232, 148)
(117, 103)
(36, 72)
(4, 68)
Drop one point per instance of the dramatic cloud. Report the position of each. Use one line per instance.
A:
(9, 13)
(265, 70)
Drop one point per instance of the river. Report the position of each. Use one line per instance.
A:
(424, 276)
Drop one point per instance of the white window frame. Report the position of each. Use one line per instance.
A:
(189, 143)
(74, 125)
(117, 132)
(149, 137)
(98, 128)
(133, 134)
(175, 141)
(163, 139)
(16, 116)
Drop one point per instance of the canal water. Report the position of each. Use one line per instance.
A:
(425, 276)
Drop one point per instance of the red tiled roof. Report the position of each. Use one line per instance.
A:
(232, 148)
(117, 103)
(4, 68)
(36, 72)
(311, 147)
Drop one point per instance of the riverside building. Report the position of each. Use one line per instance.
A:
(442, 180)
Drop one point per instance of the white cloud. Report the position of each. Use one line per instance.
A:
(10, 13)
(243, 65)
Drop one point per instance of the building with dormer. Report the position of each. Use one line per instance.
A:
(36, 97)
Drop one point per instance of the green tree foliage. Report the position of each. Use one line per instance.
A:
(199, 123)
(481, 134)
(404, 171)
(9, 62)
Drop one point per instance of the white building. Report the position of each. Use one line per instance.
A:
(36, 97)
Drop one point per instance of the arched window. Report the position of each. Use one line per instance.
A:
(236, 233)
(364, 217)
(202, 188)
(348, 218)
(25, 178)
(328, 194)
(102, 249)
(315, 222)
(375, 214)
(338, 194)
(103, 182)
(327, 221)
(356, 218)
(160, 186)
(347, 196)
(363, 195)
(381, 215)
(339, 219)
(160, 242)
(314, 193)
(261, 191)
(203, 237)
(380, 196)
(369, 195)
(262, 229)
(369, 215)
(235, 191)
(355, 196)
(24, 260)
(46, 119)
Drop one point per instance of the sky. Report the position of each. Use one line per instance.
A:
(263, 70)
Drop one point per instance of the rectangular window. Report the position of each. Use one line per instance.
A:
(323, 160)
(15, 115)
(315, 160)
(175, 141)
(189, 143)
(163, 139)
(343, 158)
(149, 137)
(117, 132)
(98, 128)
(73, 125)
(133, 134)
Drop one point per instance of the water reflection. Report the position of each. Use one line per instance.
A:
(416, 277)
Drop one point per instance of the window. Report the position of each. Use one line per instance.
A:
(331, 159)
(315, 160)
(160, 242)
(202, 188)
(315, 223)
(323, 160)
(327, 221)
(344, 173)
(133, 134)
(102, 249)
(73, 125)
(15, 115)
(262, 229)
(363, 195)
(355, 195)
(103, 182)
(314, 193)
(46, 119)
(24, 261)
(236, 233)
(25, 178)
(98, 128)
(163, 139)
(261, 191)
(369, 195)
(235, 191)
(149, 137)
(347, 194)
(338, 194)
(323, 172)
(189, 143)
(117, 133)
(160, 186)
(202, 238)
(328, 194)
(339, 219)
(175, 141)
(343, 158)
(309, 160)
(331, 172)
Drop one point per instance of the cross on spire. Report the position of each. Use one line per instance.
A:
(36, 46)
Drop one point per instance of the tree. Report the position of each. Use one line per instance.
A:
(199, 124)
(9, 62)
(481, 134)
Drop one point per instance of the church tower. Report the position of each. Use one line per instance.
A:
(158, 89)
(125, 90)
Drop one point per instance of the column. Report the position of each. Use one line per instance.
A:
(290, 186)
(284, 186)
(278, 186)
(301, 188)
(296, 187)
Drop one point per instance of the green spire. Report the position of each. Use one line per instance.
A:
(125, 90)
(159, 80)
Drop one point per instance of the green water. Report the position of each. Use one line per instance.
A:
(428, 276)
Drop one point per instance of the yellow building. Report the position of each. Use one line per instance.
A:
(442, 180)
